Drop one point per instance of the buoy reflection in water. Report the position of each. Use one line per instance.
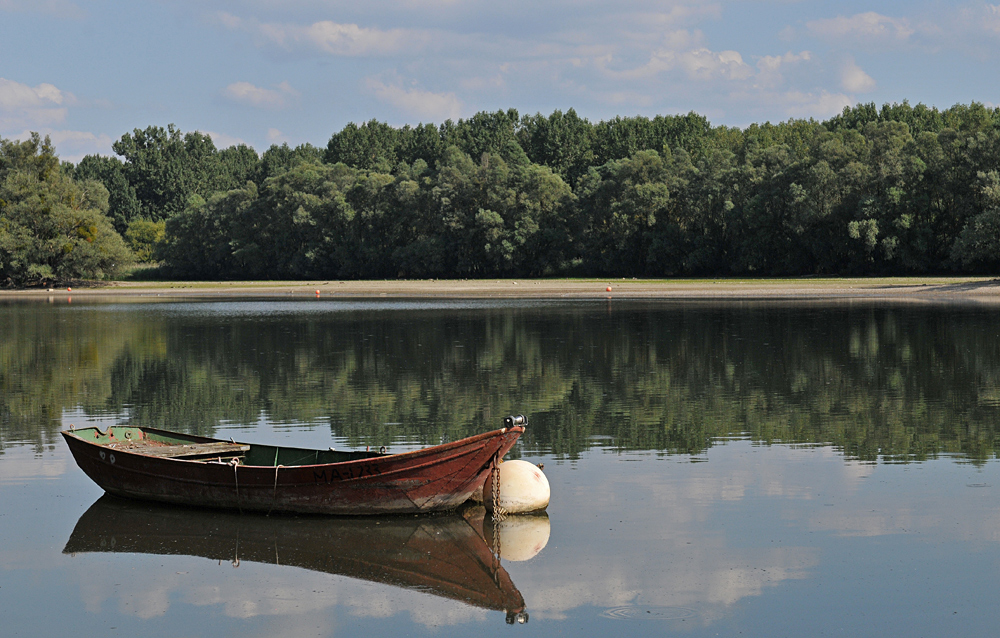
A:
(521, 536)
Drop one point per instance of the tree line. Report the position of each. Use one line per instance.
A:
(899, 189)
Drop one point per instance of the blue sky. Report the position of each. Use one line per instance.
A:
(264, 72)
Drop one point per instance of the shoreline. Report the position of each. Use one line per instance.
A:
(984, 289)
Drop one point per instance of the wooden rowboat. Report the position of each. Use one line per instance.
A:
(158, 465)
(446, 555)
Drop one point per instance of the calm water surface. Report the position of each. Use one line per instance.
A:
(728, 469)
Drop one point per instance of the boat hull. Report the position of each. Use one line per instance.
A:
(433, 479)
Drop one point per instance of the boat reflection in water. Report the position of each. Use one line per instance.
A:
(444, 555)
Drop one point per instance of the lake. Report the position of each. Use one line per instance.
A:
(717, 469)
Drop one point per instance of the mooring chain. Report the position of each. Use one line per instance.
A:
(499, 513)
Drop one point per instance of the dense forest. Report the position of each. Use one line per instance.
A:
(899, 189)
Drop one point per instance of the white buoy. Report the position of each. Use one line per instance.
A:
(523, 488)
(521, 536)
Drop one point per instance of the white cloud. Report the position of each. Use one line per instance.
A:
(330, 37)
(769, 67)
(350, 39)
(42, 108)
(869, 27)
(854, 79)
(14, 95)
(646, 29)
(637, 57)
(968, 25)
(255, 96)
(682, 39)
(485, 83)
(991, 21)
(32, 118)
(772, 63)
(685, 13)
(810, 104)
(705, 64)
(681, 51)
(31, 106)
(229, 21)
(417, 102)
(971, 29)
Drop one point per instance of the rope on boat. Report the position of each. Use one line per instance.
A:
(235, 463)
(274, 493)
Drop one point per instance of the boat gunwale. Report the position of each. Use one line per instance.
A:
(434, 449)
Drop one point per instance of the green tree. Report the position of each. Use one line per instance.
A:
(561, 141)
(420, 143)
(123, 204)
(52, 227)
(371, 235)
(696, 235)
(482, 133)
(622, 202)
(885, 189)
(166, 167)
(691, 133)
(197, 239)
(621, 138)
(237, 165)
(155, 167)
(978, 245)
(371, 146)
(422, 249)
(143, 236)
(495, 216)
(278, 159)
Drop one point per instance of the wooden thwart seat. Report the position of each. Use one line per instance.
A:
(190, 450)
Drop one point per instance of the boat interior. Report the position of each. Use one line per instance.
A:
(159, 443)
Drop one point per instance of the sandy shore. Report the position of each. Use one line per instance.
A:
(886, 288)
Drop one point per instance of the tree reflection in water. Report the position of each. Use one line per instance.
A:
(891, 382)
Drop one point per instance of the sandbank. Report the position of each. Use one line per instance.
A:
(983, 289)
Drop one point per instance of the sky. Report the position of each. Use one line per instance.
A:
(265, 72)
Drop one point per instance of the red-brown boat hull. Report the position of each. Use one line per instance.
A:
(432, 479)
